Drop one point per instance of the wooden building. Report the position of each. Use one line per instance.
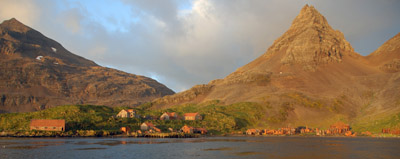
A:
(147, 126)
(200, 131)
(192, 116)
(187, 129)
(339, 128)
(169, 116)
(191, 130)
(47, 125)
(253, 132)
(129, 113)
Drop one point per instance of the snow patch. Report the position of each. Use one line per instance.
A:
(56, 63)
(39, 58)
(54, 49)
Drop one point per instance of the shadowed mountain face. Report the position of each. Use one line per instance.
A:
(37, 73)
(310, 72)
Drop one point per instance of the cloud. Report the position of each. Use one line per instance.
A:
(71, 20)
(186, 42)
(23, 10)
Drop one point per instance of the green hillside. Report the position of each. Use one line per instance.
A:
(89, 120)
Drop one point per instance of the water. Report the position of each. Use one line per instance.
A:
(210, 147)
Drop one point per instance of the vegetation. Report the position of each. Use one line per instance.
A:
(77, 117)
(89, 120)
(216, 118)
(376, 125)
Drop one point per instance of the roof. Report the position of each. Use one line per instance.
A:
(172, 114)
(48, 122)
(149, 124)
(131, 110)
(339, 125)
(191, 114)
(157, 129)
(201, 129)
(187, 127)
(252, 130)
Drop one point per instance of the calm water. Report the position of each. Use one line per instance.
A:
(210, 147)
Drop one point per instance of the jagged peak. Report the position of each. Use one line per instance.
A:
(14, 25)
(308, 17)
(310, 41)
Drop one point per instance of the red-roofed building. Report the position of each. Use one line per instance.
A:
(147, 126)
(200, 130)
(47, 125)
(168, 116)
(190, 130)
(192, 116)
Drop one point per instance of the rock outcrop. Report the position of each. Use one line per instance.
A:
(37, 73)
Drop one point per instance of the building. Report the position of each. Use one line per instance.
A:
(169, 116)
(129, 113)
(190, 130)
(192, 116)
(253, 132)
(147, 126)
(187, 129)
(200, 131)
(339, 128)
(47, 125)
(125, 129)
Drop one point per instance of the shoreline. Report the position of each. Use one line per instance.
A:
(182, 135)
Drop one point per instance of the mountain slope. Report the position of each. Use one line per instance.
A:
(310, 72)
(387, 57)
(38, 73)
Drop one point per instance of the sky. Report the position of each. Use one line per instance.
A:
(182, 43)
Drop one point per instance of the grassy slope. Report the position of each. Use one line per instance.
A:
(78, 117)
(216, 118)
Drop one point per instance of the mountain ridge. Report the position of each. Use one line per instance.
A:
(38, 73)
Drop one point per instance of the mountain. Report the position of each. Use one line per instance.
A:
(37, 73)
(310, 72)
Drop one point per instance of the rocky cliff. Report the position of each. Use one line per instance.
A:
(37, 73)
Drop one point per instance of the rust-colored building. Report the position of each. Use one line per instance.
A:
(47, 125)
(187, 129)
(339, 128)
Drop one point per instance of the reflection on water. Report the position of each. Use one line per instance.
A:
(91, 148)
(210, 147)
(219, 149)
(247, 153)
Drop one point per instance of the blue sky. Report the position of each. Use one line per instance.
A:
(182, 43)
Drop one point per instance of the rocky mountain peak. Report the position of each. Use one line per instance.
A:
(310, 17)
(310, 41)
(14, 25)
(19, 39)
